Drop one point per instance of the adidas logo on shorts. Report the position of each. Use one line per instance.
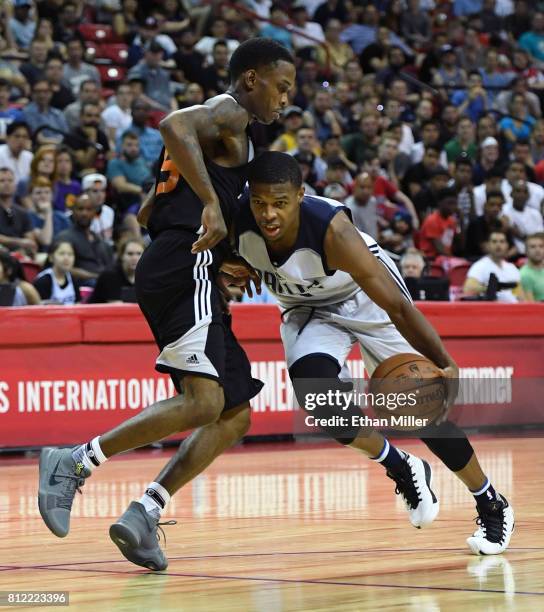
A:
(192, 360)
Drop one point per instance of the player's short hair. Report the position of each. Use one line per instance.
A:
(256, 53)
(274, 167)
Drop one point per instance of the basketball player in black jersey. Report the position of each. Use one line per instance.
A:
(203, 169)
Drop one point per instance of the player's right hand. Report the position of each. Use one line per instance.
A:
(241, 274)
(213, 228)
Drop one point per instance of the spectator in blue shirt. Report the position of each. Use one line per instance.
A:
(473, 101)
(276, 28)
(533, 41)
(150, 139)
(22, 24)
(40, 112)
(7, 113)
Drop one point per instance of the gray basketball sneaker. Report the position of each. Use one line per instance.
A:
(60, 478)
(136, 535)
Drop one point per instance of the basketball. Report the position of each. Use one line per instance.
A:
(408, 391)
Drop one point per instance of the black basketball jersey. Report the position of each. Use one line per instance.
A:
(178, 206)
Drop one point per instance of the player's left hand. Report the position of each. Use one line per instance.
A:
(241, 274)
(451, 375)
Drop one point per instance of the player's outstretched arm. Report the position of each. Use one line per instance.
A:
(346, 250)
(185, 133)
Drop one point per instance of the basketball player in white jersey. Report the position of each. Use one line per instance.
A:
(336, 286)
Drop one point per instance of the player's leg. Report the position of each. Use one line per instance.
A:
(315, 346)
(135, 532)
(451, 446)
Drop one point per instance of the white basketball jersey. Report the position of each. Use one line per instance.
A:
(60, 295)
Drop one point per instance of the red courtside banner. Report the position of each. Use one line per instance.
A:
(69, 373)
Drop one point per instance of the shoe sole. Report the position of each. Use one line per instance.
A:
(44, 457)
(125, 540)
(429, 482)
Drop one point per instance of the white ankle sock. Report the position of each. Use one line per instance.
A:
(155, 498)
(90, 454)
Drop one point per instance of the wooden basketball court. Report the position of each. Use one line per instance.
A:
(275, 528)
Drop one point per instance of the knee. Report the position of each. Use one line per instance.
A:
(206, 405)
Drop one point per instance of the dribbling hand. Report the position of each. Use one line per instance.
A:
(213, 229)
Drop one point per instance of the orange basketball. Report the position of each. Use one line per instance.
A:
(408, 391)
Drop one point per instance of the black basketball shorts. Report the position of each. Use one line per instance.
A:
(183, 306)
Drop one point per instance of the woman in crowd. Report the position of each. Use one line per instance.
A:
(65, 188)
(55, 284)
(43, 165)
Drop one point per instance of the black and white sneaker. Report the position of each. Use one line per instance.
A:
(495, 527)
(414, 485)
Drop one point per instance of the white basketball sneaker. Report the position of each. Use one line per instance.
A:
(495, 527)
(414, 485)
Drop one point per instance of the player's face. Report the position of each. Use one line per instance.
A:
(271, 85)
(276, 209)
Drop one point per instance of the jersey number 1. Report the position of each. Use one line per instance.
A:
(170, 183)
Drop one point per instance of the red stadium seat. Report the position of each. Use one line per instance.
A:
(458, 274)
(30, 270)
(111, 74)
(117, 53)
(99, 33)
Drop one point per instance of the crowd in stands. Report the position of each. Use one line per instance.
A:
(424, 117)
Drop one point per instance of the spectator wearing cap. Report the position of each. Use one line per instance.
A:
(337, 53)
(16, 232)
(426, 201)
(302, 25)
(89, 91)
(76, 70)
(116, 282)
(23, 23)
(464, 144)
(93, 254)
(479, 274)
(95, 186)
(39, 113)
(417, 175)
(533, 41)
(521, 218)
(117, 117)
(215, 78)
(440, 227)
(148, 31)
(292, 119)
(149, 138)
(14, 154)
(129, 175)
(156, 79)
(487, 158)
(276, 29)
(480, 228)
(218, 31)
(62, 95)
(88, 142)
(8, 113)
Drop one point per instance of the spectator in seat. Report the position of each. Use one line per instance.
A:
(215, 78)
(218, 31)
(364, 206)
(321, 117)
(156, 79)
(464, 143)
(340, 53)
(301, 23)
(13, 154)
(119, 279)
(93, 255)
(518, 124)
(88, 142)
(397, 238)
(473, 101)
(42, 165)
(11, 293)
(62, 95)
(149, 138)
(440, 228)
(532, 273)
(307, 144)
(189, 62)
(462, 176)
(16, 233)
(412, 264)
(55, 284)
(292, 119)
(76, 70)
(8, 113)
(487, 158)
(426, 201)
(89, 91)
(65, 188)
(40, 113)
(479, 274)
(493, 180)
(516, 171)
(23, 23)
(418, 175)
(118, 117)
(430, 135)
(533, 41)
(46, 221)
(521, 219)
(480, 228)
(95, 186)
(364, 143)
(34, 68)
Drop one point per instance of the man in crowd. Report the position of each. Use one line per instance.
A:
(14, 154)
(532, 273)
(16, 232)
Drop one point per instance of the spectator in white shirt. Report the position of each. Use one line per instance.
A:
(521, 218)
(495, 263)
(95, 186)
(13, 154)
(218, 32)
(301, 25)
(118, 117)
